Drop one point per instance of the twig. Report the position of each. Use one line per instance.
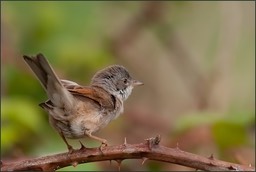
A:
(150, 150)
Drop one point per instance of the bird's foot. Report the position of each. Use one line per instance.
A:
(103, 144)
(70, 149)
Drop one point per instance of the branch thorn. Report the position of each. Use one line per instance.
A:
(149, 142)
(211, 157)
(177, 146)
(125, 141)
(144, 159)
(119, 161)
(74, 164)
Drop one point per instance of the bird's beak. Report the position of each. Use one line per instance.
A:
(136, 83)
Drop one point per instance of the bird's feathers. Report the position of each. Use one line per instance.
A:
(56, 92)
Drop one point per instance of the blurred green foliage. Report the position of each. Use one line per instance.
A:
(20, 121)
(235, 126)
(228, 130)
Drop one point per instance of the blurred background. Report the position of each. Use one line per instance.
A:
(196, 59)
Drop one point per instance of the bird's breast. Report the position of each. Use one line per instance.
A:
(85, 116)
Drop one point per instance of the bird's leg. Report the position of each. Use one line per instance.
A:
(70, 148)
(103, 141)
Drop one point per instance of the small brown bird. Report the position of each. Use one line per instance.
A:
(77, 111)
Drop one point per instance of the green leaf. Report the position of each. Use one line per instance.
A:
(195, 119)
(20, 118)
(22, 112)
(228, 134)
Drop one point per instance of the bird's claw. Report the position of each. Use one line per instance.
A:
(103, 144)
(82, 146)
(70, 150)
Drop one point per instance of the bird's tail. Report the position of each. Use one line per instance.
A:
(56, 92)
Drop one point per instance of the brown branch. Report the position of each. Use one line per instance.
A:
(150, 150)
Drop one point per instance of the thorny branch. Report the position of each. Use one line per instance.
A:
(150, 150)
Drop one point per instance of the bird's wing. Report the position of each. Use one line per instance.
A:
(98, 95)
(70, 84)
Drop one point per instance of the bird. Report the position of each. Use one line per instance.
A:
(77, 111)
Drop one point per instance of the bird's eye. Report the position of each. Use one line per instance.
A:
(125, 81)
